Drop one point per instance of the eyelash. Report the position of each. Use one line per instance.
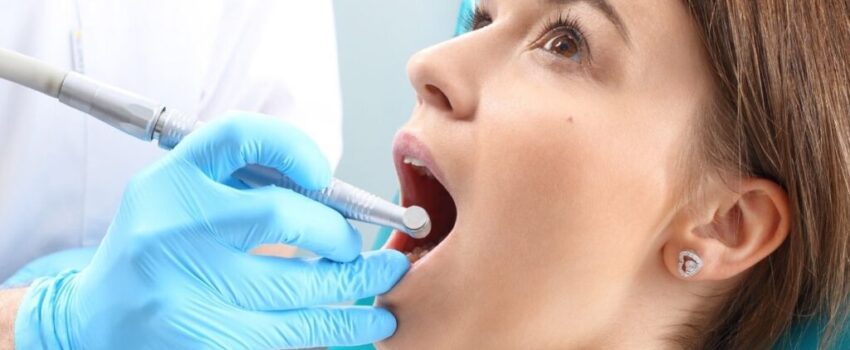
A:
(564, 22)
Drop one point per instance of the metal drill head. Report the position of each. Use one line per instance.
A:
(417, 222)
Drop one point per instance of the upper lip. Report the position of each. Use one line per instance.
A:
(408, 145)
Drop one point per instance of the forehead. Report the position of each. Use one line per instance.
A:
(651, 20)
(637, 15)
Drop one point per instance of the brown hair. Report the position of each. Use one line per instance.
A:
(781, 113)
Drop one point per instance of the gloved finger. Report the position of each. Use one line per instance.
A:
(226, 145)
(271, 215)
(314, 327)
(268, 283)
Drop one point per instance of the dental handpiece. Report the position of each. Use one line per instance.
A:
(147, 120)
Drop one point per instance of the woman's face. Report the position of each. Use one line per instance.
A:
(557, 127)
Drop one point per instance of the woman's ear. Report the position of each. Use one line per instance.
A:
(729, 231)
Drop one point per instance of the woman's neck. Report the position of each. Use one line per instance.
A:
(664, 314)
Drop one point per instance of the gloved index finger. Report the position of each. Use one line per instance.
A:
(270, 215)
(224, 146)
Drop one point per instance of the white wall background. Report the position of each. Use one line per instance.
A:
(375, 39)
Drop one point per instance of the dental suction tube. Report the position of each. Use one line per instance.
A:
(32, 73)
(148, 120)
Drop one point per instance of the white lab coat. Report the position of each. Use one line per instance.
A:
(62, 173)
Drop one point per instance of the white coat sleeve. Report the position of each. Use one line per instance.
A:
(279, 58)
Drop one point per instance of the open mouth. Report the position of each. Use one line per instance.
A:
(421, 185)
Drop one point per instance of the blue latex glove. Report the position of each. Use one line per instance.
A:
(51, 265)
(173, 270)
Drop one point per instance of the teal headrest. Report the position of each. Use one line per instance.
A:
(467, 8)
(806, 335)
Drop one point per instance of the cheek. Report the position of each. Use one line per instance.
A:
(572, 193)
(581, 179)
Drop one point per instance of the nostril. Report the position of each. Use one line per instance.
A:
(439, 96)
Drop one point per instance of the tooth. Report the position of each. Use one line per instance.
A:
(422, 171)
(418, 253)
(427, 172)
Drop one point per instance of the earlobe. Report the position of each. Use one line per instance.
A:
(729, 233)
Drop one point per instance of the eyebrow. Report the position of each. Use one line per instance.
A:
(605, 7)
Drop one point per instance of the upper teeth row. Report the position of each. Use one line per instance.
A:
(418, 165)
(414, 162)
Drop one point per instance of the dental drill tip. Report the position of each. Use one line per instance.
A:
(417, 222)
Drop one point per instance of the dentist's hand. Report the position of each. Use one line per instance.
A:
(173, 271)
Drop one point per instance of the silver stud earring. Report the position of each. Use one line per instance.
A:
(689, 263)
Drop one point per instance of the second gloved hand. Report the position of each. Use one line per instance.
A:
(173, 271)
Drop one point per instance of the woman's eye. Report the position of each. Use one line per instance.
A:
(566, 43)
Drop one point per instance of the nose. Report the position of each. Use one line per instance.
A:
(445, 79)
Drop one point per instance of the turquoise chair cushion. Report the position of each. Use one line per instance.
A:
(467, 8)
(806, 335)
